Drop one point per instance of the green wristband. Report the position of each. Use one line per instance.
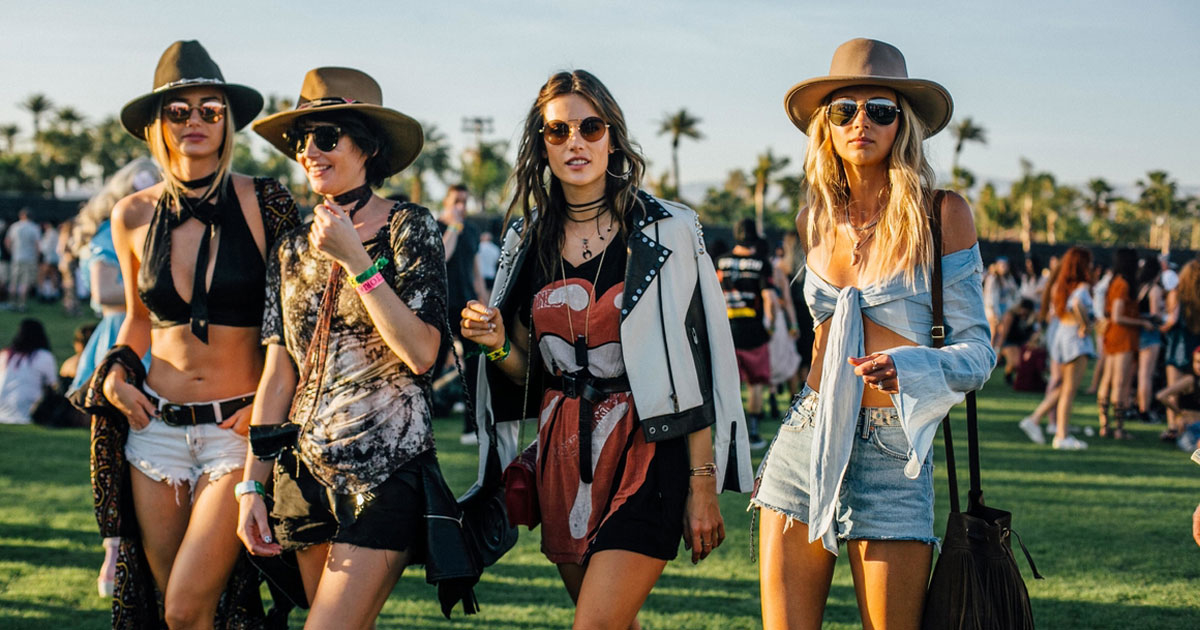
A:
(499, 354)
(375, 268)
(246, 487)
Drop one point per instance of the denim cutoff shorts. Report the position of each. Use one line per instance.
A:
(182, 454)
(876, 501)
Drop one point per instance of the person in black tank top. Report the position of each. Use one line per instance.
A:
(177, 433)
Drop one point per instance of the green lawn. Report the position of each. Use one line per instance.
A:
(1109, 527)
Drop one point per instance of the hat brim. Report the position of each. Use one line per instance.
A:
(403, 132)
(244, 104)
(930, 101)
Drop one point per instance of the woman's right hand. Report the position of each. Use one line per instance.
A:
(129, 400)
(253, 528)
(483, 325)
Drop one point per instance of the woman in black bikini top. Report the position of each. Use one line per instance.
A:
(192, 255)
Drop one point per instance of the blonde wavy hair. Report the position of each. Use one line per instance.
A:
(156, 139)
(903, 224)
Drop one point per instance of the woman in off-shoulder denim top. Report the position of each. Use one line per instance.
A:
(849, 464)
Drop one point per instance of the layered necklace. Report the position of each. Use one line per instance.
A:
(597, 206)
(860, 236)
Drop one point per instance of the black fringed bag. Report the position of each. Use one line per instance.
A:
(976, 584)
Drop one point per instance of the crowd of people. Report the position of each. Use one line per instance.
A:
(1135, 320)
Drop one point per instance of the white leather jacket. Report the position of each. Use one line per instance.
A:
(675, 342)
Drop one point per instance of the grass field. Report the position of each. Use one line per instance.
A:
(1109, 527)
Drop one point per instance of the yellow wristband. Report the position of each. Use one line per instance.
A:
(499, 354)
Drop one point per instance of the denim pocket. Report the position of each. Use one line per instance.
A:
(798, 418)
(890, 441)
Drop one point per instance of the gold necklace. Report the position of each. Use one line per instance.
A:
(580, 342)
(856, 255)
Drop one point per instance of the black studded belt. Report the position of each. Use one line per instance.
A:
(589, 390)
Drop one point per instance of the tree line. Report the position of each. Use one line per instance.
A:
(64, 147)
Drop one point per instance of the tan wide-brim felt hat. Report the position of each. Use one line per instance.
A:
(346, 89)
(870, 62)
(186, 64)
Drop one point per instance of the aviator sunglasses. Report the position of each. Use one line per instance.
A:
(324, 137)
(880, 110)
(591, 129)
(180, 112)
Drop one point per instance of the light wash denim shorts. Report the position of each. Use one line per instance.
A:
(182, 454)
(876, 501)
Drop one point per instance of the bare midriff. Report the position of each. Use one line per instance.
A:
(184, 369)
(876, 338)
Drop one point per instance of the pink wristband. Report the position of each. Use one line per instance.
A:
(366, 286)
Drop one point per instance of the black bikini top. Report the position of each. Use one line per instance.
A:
(235, 296)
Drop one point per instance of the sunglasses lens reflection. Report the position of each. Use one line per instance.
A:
(880, 110)
(592, 129)
(324, 138)
(556, 132)
(842, 112)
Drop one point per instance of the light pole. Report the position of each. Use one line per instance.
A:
(478, 125)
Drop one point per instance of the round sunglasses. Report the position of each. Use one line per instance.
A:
(324, 137)
(880, 110)
(591, 129)
(180, 112)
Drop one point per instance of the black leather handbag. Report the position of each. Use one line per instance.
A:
(976, 584)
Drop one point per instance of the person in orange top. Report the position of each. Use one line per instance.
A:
(1120, 341)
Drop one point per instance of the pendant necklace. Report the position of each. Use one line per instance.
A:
(580, 343)
(858, 238)
(597, 205)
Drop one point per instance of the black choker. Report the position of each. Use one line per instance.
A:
(203, 182)
(584, 207)
(359, 196)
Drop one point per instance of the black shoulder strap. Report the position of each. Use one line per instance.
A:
(938, 334)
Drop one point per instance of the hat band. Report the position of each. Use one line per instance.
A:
(182, 82)
(326, 101)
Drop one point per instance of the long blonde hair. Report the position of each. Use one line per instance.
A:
(903, 223)
(156, 139)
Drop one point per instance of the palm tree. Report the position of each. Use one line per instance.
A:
(68, 117)
(1158, 199)
(965, 131)
(1100, 191)
(764, 172)
(793, 189)
(10, 135)
(434, 158)
(36, 105)
(681, 124)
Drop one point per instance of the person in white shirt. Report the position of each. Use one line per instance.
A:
(22, 240)
(26, 367)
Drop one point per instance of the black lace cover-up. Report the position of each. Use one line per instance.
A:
(372, 415)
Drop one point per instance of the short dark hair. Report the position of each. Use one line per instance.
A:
(460, 187)
(745, 233)
(366, 135)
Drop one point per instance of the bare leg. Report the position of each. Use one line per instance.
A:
(354, 586)
(572, 577)
(1147, 362)
(311, 561)
(207, 555)
(1050, 400)
(1098, 372)
(1121, 384)
(1012, 359)
(614, 588)
(1072, 375)
(794, 574)
(890, 578)
(1173, 375)
(162, 512)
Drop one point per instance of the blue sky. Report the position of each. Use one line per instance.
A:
(1083, 89)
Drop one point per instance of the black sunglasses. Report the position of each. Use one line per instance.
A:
(180, 112)
(591, 129)
(880, 110)
(324, 137)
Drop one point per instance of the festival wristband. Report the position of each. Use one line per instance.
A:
(370, 284)
(246, 487)
(500, 353)
(377, 266)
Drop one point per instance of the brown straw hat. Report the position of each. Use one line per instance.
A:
(341, 89)
(186, 64)
(870, 62)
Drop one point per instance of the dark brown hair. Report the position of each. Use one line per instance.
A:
(533, 189)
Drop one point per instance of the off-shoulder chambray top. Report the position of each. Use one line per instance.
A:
(931, 380)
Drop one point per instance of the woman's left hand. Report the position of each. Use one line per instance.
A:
(877, 370)
(239, 422)
(333, 234)
(703, 527)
